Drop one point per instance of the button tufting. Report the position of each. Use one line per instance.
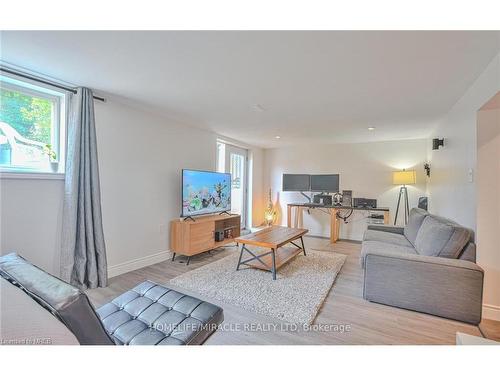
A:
(147, 313)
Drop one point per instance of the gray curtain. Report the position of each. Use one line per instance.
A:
(83, 253)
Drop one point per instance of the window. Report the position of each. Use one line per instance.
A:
(32, 127)
(233, 159)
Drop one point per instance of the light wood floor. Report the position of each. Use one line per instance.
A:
(370, 323)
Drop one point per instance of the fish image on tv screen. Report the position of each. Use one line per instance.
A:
(205, 192)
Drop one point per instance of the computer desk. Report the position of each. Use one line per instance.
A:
(333, 210)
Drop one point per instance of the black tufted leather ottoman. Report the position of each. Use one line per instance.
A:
(151, 314)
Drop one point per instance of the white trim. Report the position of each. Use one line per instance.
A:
(31, 176)
(491, 312)
(243, 152)
(138, 263)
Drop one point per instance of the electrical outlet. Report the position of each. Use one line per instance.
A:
(470, 175)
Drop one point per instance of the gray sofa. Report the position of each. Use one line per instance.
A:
(427, 266)
(149, 314)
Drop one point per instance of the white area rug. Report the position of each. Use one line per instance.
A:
(295, 297)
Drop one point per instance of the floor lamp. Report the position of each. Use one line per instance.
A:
(403, 178)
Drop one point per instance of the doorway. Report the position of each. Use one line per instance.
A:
(488, 203)
(234, 160)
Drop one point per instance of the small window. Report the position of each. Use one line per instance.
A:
(32, 127)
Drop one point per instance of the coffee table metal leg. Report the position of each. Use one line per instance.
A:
(303, 247)
(239, 260)
(274, 264)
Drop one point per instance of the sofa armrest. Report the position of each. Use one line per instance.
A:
(387, 228)
(450, 288)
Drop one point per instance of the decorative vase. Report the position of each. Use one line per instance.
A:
(269, 213)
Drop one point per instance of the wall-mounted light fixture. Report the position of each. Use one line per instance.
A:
(427, 168)
(436, 143)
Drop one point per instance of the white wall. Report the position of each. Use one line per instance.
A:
(452, 194)
(140, 160)
(488, 207)
(31, 217)
(453, 191)
(140, 157)
(365, 168)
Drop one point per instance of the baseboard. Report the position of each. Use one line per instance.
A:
(325, 237)
(491, 312)
(135, 264)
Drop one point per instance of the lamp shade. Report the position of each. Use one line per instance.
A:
(404, 177)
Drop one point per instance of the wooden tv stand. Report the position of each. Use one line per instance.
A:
(191, 237)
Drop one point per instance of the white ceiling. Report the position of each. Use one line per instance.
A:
(313, 86)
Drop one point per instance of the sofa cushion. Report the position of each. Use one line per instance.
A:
(441, 237)
(381, 236)
(151, 314)
(374, 246)
(415, 220)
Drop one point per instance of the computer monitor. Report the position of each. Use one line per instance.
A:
(327, 183)
(296, 182)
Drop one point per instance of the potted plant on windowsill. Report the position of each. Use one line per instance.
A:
(54, 164)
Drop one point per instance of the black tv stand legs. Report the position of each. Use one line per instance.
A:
(189, 218)
(188, 258)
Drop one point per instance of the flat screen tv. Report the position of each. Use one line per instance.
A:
(326, 183)
(205, 192)
(296, 182)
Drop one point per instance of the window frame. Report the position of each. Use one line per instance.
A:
(60, 99)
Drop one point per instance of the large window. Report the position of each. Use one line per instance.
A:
(32, 127)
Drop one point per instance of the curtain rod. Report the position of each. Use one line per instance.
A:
(41, 80)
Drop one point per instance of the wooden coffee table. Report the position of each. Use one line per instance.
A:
(273, 238)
